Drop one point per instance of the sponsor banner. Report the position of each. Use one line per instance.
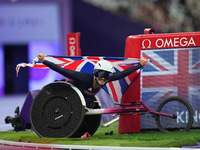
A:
(163, 41)
(73, 42)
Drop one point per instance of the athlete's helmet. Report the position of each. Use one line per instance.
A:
(104, 65)
(103, 68)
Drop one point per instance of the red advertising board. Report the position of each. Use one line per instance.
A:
(175, 59)
(73, 42)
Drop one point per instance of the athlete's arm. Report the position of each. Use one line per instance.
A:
(74, 75)
(126, 72)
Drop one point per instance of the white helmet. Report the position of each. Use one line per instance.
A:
(104, 65)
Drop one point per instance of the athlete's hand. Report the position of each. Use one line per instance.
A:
(41, 57)
(143, 62)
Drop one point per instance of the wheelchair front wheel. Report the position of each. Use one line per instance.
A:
(179, 107)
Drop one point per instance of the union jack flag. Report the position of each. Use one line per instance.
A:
(86, 64)
(171, 72)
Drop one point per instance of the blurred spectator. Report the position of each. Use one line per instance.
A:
(163, 15)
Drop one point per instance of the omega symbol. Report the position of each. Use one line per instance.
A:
(146, 42)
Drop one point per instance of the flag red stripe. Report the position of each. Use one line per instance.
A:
(113, 91)
(155, 62)
(196, 66)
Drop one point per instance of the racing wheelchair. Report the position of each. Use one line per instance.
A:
(59, 110)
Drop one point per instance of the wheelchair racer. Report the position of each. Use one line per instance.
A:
(90, 84)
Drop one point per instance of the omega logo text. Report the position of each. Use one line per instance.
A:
(175, 42)
(168, 42)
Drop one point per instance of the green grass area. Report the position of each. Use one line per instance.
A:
(143, 139)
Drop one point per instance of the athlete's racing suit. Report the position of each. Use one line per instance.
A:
(84, 81)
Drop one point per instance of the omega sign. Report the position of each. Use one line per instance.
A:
(72, 46)
(168, 42)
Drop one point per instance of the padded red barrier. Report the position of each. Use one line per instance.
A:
(128, 123)
(134, 45)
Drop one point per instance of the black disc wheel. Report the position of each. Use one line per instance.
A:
(182, 111)
(57, 111)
